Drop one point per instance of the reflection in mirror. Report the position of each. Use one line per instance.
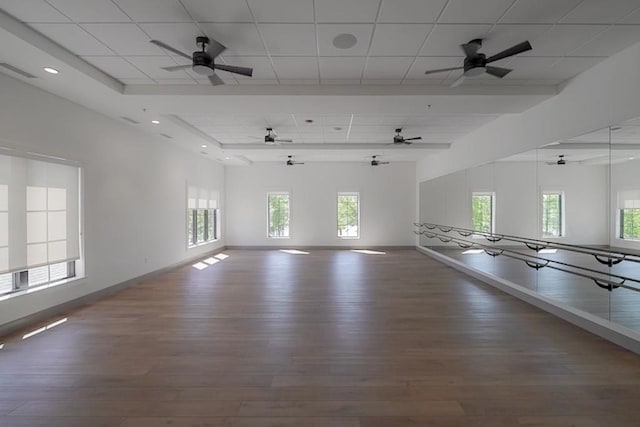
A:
(562, 220)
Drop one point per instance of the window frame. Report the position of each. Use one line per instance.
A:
(288, 223)
(561, 219)
(193, 215)
(621, 225)
(358, 223)
(492, 227)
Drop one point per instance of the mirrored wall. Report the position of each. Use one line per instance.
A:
(562, 220)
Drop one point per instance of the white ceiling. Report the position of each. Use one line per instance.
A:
(367, 90)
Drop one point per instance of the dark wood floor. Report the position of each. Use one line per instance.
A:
(329, 339)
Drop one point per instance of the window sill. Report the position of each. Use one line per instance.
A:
(40, 288)
(278, 237)
(202, 244)
(348, 237)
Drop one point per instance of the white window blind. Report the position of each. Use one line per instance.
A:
(39, 213)
(629, 199)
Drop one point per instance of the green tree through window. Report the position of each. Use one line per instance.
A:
(482, 212)
(348, 215)
(278, 214)
(630, 224)
(551, 214)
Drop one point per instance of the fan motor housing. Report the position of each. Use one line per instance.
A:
(474, 66)
(202, 63)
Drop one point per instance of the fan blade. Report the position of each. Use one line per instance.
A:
(169, 48)
(413, 139)
(176, 67)
(215, 48)
(497, 71)
(284, 140)
(471, 49)
(441, 70)
(458, 81)
(245, 71)
(383, 163)
(215, 80)
(514, 50)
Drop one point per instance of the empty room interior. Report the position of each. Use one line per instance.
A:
(319, 213)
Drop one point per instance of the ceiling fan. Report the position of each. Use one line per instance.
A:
(203, 62)
(475, 63)
(399, 139)
(291, 162)
(271, 138)
(376, 162)
(561, 161)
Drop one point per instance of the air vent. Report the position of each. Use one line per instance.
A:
(130, 120)
(17, 70)
(166, 136)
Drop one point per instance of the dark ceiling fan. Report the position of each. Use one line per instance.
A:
(376, 162)
(272, 139)
(475, 63)
(399, 139)
(203, 61)
(291, 162)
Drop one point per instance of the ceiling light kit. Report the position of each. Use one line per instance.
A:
(203, 61)
(475, 63)
(155, 122)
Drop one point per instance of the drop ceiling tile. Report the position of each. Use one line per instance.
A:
(549, 67)
(90, 10)
(124, 39)
(363, 123)
(570, 67)
(341, 68)
(218, 10)
(262, 69)
(387, 67)
(600, 11)
(289, 39)
(422, 64)
(282, 10)
(561, 40)
(445, 39)
(248, 81)
(288, 67)
(399, 39)
(538, 11)
(469, 11)
(181, 36)
(151, 66)
(611, 41)
(116, 67)
(503, 36)
(73, 38)
(346, 10)
(632, 18)
(279, 120)
(32, 11)
(240, 39)
(154, 10)
(327, 32)
(336, 120)
(381, 81)
(406, 11)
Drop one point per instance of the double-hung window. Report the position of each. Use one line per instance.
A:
(203, 216)
(482, 211)
(348, 211)
(629, 214)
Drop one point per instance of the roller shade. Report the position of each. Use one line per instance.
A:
(39, 213)
(629, 199)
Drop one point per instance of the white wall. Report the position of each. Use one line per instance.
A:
(517, 186)
(387, 197)
(624, 176)
(134, 190)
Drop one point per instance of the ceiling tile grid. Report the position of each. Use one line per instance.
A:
(292, 41)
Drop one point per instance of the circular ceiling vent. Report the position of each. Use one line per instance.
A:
(345, 41)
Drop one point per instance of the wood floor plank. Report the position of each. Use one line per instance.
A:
(330, 339)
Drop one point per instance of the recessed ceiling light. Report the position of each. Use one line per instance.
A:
(345, 41)
(204, 145)
(227, 158)
(155, 122)
(51, 70)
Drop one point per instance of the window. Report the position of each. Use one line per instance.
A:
(482, 212)
(279, 213)
(202, 216)
(552, 214)
(348, 215)
(629, 208)
(39, 222)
